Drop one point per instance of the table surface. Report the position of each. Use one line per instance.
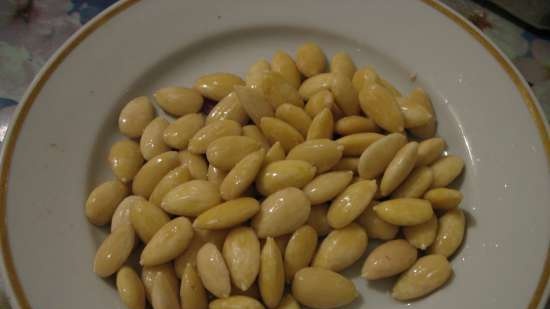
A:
(30, 34)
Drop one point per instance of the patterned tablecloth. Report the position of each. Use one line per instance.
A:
(31, 31)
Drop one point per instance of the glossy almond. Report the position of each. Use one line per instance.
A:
(425, 276)
(342, 63)
(351, 203)
(322, 289)
(200, 237)
(355, 144)
(318, 219)
(276, 130)
(179, 101)
(414, 114)
(376, 228)
(229, 108)
(241, 177)
(430, 150)
(299, 250)
(125, 160)
(389, 259)
(241, 251)
(192, 292)
(283, 64)
(148, 274)
(428, 130)
(282, 213)
(450, 233)
(347, 164)
(152, 142)
(404, 211)
(195, 163)
(254, 103)
(295, 116)
(227, 151)
(135, 116)
(275, 153)
(163, 293)
(272, 274)
(315, 84)
(446, 170)
(256, 134)
(378, 155)
(215, 175)
(130, 288)
(168, 242)
(321, 100)
(341, 248)
(114, 251)
(381, 106)
(147, 219)
(103, 201)
(276, 89)
(355, 124)
(211, 132)
(364, 76)
(419, 180)
(256, 69)
(122, 212)
(236, 302)
(178, 133)
(213, 271)
(321, 153)
(325, 187)
(310, 59)
(171, 180)
(217, 85)
(422, 235)
(321, 126)
(228, 214)
(191, 198)
(399, 168)
(152, 172)
(443, 198)
(345, 94)
(283, 174)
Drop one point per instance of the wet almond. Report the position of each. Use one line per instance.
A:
(414, 114)
(192, 292)
(325, 187)
(321, 100)
(196, 164)
(381, 106)
(310, 59)
(283, 64)
(163, 293)
(376, 228)
(351, 203)
(276, 130)
(295, 116)
(241, 251)
(135, 116)
(399, 168)
(256, 69)
(321, 288)
(341, 248)
(191, 198)
(450, 233)
(256, 134)
(130, 288)
(200, 237)
(178, 133)
(147, 219)
(125, 160)
(103, 201)
(443, 198)
(229, 108)
(321, 153)
(275, 153)
(345, 94)
(114, 251)
(341, 63)
(318, 220)
(430, 150)
(428, 130)
(315, 84)
(378, 155)
(276, 89)
(217, 85)
(389, 259)
(168, 242)
(241, 177)
(425, 276)
(211, 132)
(321, 126)
(254, 103)
(179, 101)
(283, 174)
(355, 144)
(215, 175)
(446, 170)
(228, 214)
(422, 235)
(347, 164)
(416, 183)
(364, 76)
(122, 212)
(152, 172)
(174, 178)
(355, 124)
(299, 250)
(227, 151)
(271, 278)
(152, 143)
(236, 302)
(148, 274)
(213, 271)
(404, 211)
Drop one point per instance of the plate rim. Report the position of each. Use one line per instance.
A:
(14, 289)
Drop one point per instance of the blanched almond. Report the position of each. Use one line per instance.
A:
(341, 63)
(355, 144)
(355, 124)
(399, 168)
(147, 219)
(321, 100)
(241, 251)
(125, 159)
(321, 126)
(425, 276)
(276, 130)
(295, 116)
(192, 292)
(254, 103)
(283, 64)
(228, 214)
(148, 274)
(389, 259)
(404, 211)
(381, 106)
(345, 94)
(122, 212)
(229, 108)
(351, 203)
(135, 116)
(443, 198)
(276, 89)
(191, 198)
(178, 133)
(152, 143)
(347, 164)
(152, 172)
(255, 133)
(283, 174)
(242, 175)
(288, 302)
(416, 183)
(315, 84)
(236, 302)
(450, 233)
(163, 294)
(130, 288)
(256, 69)
(310, 59)
(227, 151)
(168, 242)
(414, 114)
(446, 170)
(321, 153)
(217, 85)
(174, 178)
(341, 248)
(299, 250)
(213, 271)
(430, 150)
(422, 235)
(179, 101)
(379, 154)
(318, 219)
(377, 228)
(211, 132)
(114, 251)
(275, 153)
(325, 187)
(428, 130)
(200, 237)
(103, 201)
(321, 288)
(364, 76)
(196, 164)
(272, 274)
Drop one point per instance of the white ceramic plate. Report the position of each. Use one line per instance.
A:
(56, 149)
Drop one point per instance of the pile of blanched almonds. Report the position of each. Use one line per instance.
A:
(262, 200)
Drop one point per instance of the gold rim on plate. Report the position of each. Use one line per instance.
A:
(21, 298)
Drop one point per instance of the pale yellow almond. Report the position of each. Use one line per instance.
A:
(195, 163)
(229, 108)
(152, 142)
(191, 198)
(310, 59)
(276, 89)
(321, 100)
(414, 114)
(122, 212)
(427, 130)
(217, 85)
(389, 259)
(213, 271)
(130, 288)
(446, 170)
(399, 168)
(135, 116)
(168, 242)
(355, 144)
(241, 251)
(430, 150)
(125, 160)
(391, 88)
(295, 116)
(321, 288)
(376, 228)
(255, 70)
(347, 164)
(192, 292)
(228, 214)
(321, 126)
(325, 187)
(282, 242)
(276, 130)
(315, 84)
(103, 201)
(163, 294)
(152, 172)
(147, 219)
(275, 153)
(355, 124)
(450, 233)
(364, 76)
(422, 235)
(321, 153)
(378, 155)
(288, 302)
(404, 211)
(282, 213)
(179, 101)
(241, 177)
(418, 182)
(211, 132)
(200, 237)
(114, 251)
(381, 106)
(283, 64)
(341, 248)
(341, 63)
(255, 133)
(444, 198)
(236, 302)
(271, 279)
(253, 291)
(300, 250)
(345, 94)
(425, 276)
(318, 219)
(227, 151)
(215, 175)
(178, 133)
(254, 103)
(174, 178)
(148, 274)
(283, 174)
(351, 203)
